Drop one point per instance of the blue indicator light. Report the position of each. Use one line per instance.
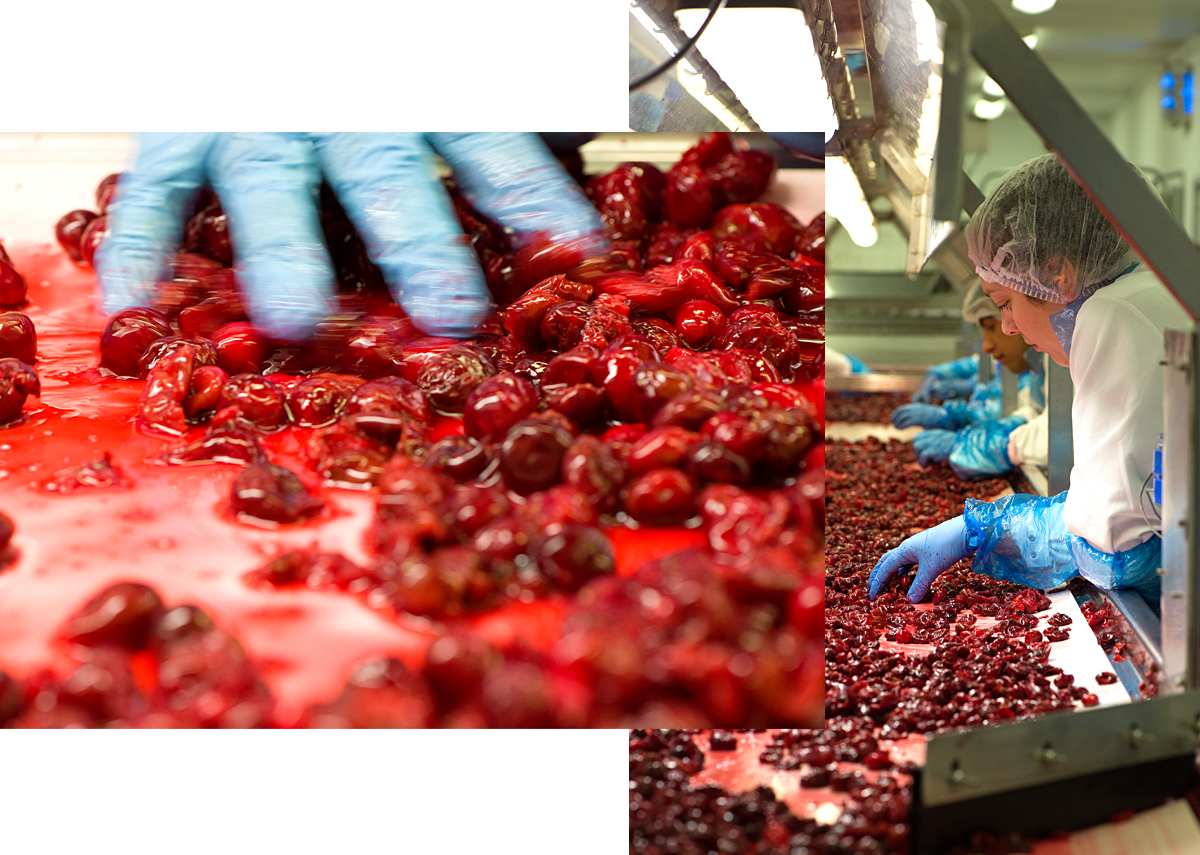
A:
(1188, 93)
(1168, 80)
(1168, 102)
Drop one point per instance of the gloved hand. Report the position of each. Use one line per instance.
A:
(923, 415)
(952, 387)
(933, 551)
(934, 445)
(268, 185)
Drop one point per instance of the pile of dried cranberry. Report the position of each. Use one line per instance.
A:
(141, 664)
(668, 815)
(971, 676)
(872, 407)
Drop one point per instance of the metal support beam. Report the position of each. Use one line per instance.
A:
(1008, 386)
(1059, 394)
(1124, 198)
(1181, 498)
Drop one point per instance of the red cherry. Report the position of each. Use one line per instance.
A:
(763, 226)
(660, 448)
(18, 338)
(591, 467)
(496, 404)
(105, 191)
(449, 377)
(574, 555)
(93, 235)
(240, 347)
(127, 336)
(811, 241)
(573, 366)
(207, 383)
(266, 492)
(698, 323)
(69, 231)
(257, 400)
(455, 665)
(655, 384)
(121, 614)
(688, 198)
(12, 284)
(459, 457)
(319, 400)
(17, 380)
(531, 456)
(661, 497)
(660, 333)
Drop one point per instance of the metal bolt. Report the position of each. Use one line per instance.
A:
(958, 776)
(1047, 755)
(1138, 737)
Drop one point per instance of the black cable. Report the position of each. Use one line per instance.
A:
(713, 7)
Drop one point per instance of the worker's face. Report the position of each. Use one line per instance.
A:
(1021, 316)
(1008, 349)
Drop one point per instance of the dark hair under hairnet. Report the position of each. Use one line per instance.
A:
(1036, 219)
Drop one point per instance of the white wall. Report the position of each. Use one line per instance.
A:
(1141, 133)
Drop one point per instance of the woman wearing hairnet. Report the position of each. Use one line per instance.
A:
(991, 445)
(1064, 278)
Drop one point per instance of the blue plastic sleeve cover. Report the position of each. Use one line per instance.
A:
(857, 366)
(981, 450)
(1022, 538)
(967, 367)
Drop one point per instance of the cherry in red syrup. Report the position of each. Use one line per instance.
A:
(127, 336)
(17, 380)
(18, 338)
(69, 232)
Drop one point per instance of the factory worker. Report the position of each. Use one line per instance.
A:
(838, 364)
(982, 449)
(1063, 277)
(268, 184)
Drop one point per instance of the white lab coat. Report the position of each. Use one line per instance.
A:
(836, 364)
(1117, 413)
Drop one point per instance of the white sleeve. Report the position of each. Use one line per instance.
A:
(1116, 418)
(836, 365)
(1030, 443)
(1027, 407)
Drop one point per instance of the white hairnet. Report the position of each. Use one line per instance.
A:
(978, 305)
(1038, 233)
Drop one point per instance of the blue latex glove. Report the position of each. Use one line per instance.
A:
(934, 551)
(932, 446)
(1022, 538)
(857, 366)
(981, 450)
(926, 415)
(953, 387)
(268, 185)
(966, 368)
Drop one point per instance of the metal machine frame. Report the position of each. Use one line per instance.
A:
(1010, 770)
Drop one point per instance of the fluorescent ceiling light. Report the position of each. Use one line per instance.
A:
(1033, 7)
(1031, 40)
(766, 56)
(991, 87)
(844, 201)
(988, 110)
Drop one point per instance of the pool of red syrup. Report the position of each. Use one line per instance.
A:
(170, 529)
